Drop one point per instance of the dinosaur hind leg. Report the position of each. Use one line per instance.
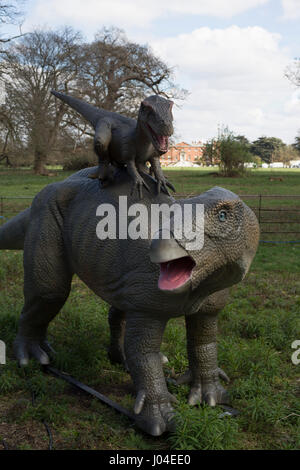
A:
(47, 282)
(102, 139)
(117, 325)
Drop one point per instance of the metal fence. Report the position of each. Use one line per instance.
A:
(278, 215)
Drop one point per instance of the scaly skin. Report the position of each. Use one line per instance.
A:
(59, 238)
(123, 141)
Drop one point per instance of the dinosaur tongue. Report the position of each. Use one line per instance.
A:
(163, 141)
(175, 273)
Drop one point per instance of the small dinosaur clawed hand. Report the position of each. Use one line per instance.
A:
(138, 186)
(163, 183)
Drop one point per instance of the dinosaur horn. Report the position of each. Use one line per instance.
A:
(89, 112)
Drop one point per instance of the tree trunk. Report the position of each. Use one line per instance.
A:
(40, 158)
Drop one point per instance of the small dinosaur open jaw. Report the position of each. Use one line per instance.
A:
(160, 142)
(175, 273)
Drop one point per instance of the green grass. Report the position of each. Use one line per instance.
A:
(256, 330)
(186, 181)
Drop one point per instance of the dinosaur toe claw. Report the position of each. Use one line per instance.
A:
(170, 185)
(185, 378)
(25, 348)
(156, 418)
(223, 375)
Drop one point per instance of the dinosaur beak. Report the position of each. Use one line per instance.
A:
(175, 264)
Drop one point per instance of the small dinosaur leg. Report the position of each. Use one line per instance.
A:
(154, 413)
(162, 182)
(101, 143)
(204, 372)
(117, 324)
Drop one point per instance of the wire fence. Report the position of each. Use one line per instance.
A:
(278, 215)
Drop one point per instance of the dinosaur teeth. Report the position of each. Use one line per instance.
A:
(161, 142)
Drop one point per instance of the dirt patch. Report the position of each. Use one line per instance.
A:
(29, 435)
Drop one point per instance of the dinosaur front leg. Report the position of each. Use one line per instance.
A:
(138, 181)
(202, 355)
(117, 324)
(153, 410)
(162, 181)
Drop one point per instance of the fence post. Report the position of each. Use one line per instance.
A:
(259, 208)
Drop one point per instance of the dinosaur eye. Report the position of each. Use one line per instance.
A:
(222, 216)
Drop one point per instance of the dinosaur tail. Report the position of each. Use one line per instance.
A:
(89, 112)
(12, 234)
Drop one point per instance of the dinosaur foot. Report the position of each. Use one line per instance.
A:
(186, 377)
(154, 418)
(27, 348)
(105, 174)
(207, 390)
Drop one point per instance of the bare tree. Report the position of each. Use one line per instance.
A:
(10, 13)
(32, 67)
(116, 74)
(10, 135)
(110, 72)
(293, 72)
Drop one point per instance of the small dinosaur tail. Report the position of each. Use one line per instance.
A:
(12, 234)
(89, 112)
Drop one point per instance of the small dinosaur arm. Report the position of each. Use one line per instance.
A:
(124, 141)
(146, 281)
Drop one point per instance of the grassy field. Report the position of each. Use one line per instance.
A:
(256, 330)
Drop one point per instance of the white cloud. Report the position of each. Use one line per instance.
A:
(291, 9)
(131, 13)
(236, 77)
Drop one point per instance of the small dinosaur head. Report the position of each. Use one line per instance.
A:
(156, 117)
(231, 236)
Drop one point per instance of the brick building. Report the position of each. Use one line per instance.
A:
(183, 152)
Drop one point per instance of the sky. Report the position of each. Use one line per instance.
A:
(231, 55)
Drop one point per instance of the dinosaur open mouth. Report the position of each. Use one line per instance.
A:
(160, 142)
(175, 273)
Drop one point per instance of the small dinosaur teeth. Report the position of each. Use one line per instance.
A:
(161, 140)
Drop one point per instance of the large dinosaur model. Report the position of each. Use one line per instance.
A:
(146, 281)
(120, 140)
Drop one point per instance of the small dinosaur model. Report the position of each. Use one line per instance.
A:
(147, 281)
(120, 140)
